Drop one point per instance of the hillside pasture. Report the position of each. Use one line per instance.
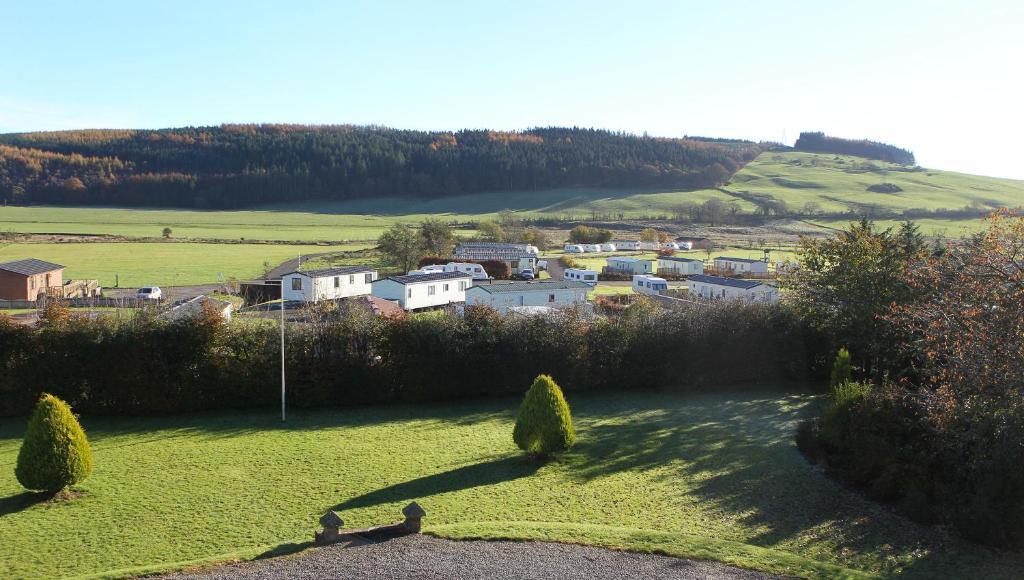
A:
(709, 476)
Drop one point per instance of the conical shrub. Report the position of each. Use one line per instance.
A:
(544, 424)
(55, 453)
(842, 369)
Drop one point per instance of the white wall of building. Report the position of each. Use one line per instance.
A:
(299, 286)
(426, 294)
(757, 267)
(502, 301)
(759, 293)
(681, 268)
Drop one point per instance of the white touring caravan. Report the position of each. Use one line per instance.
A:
(607, 247)
(580, 275)
(647, 284)
(475, 270)
(574, 249)
(592, 247)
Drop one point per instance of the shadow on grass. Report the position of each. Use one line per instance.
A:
(284, 550)
(23, 500)
(479, 474)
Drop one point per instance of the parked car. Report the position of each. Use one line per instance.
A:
(149, 293)
(526, 273)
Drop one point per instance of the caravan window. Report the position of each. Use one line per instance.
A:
(445, 287)
(296, 283)
(551, 297)
(409, 294)
(337, 281)
(431, 290)
(369, 278)
(462, 286)
(351, 278)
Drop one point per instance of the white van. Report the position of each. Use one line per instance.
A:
(574, 249)
(580, 275)
(647, 284)
(475, 270)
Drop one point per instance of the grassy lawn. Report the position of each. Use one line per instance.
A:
(168, 264)
(709, 476)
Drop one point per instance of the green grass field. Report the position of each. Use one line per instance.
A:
(839, 183)
(168, 264)
(709, 476)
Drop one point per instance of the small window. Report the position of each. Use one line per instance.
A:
(369, 278)
(445, 288)
(351, 278)
(431, 290)
(462, 286)
(551, 297)
(296, 283)
(337, 281)
(409, 294)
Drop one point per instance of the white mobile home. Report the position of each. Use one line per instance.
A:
(328, 283)
(475, 270)
(574, 249)
(649, 245)
(680, 266)
(725, 263)
(551, 293)
(646, 284)
(424, 290)
(607, 247)
(194, 307)
(732, 289)
(621, 265)
(592, 247)
(626, 244)
(580, 275)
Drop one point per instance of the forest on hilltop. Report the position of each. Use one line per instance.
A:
(241, 165)
(818, 142)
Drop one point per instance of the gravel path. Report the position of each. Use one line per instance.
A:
(426, 557)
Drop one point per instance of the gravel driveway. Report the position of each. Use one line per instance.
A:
(426, 557)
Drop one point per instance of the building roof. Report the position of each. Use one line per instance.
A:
(743, 260)
(720, 281)
(627, 259)
(678, 259)
(624, 241)
(541, 286)
(325, 272)
(493, 245)
(431, 277)
(486, 250)
(30, 266)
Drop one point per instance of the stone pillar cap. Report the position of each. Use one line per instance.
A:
(413, 510)
(331, 519)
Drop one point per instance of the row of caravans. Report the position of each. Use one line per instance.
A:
(583, 248)
(474, 270)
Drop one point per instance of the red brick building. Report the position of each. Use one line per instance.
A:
(28, 279)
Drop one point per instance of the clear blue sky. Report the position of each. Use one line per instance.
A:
(944, 81)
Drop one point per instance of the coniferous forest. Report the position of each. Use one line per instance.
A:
(818, 142)
(241, 165)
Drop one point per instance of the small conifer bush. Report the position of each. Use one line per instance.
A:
(842, 371)
(544, 425)
(55, 453)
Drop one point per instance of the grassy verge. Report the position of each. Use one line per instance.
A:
(710, 476)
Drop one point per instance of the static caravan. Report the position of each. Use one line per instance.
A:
(327, 283)
(670, 246)
(580, 275)
(592, 247)
(621, 265)
(649, 246)
(424, 290)
(732, 289)
(680, 266)
(626, 244)
(551, 293)
(646, 284)
(726, 263)
(607, 247)
(519, 257)
(574, 249)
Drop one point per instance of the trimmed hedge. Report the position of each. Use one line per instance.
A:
(55, 452)
(544, 424)
(149, 365)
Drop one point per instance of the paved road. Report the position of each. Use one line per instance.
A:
(425, 557)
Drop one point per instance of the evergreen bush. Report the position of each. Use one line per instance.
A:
(55, 452)
(842, 370)
(544, 425)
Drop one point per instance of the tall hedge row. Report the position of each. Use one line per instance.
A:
(151, 366)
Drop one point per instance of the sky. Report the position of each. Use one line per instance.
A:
(940, 78)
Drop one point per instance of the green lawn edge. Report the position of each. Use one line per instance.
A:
(666, 543)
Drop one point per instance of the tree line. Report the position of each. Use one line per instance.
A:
(239, 165)
(818, 142)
